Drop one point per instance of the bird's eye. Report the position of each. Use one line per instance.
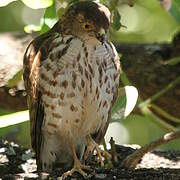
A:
(86, 26)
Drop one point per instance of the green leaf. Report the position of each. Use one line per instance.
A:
(49, 18)
(32, 28)
(5, 2)
(175, 10)
(126, 102)
(38, 4)
(121, 101)
(16, 78)
(116, 24)
(14, 118)
(102, 1)
(44, 28)
(116, 20)
(177, 2)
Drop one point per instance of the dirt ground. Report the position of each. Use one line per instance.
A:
(19, 163)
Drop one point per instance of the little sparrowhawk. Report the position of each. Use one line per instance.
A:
(71, 76)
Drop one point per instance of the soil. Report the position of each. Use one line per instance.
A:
(17, 162)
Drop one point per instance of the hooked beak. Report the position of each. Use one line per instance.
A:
(101, 36)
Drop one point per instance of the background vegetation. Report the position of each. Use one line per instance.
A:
(151, 21)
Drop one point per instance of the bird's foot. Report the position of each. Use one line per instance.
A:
(78, 167)
(92, 145)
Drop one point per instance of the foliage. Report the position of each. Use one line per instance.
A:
(146, 116)
(175, 10)
(35, 4)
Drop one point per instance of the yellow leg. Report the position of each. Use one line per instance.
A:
(78, 167)
(92, 145)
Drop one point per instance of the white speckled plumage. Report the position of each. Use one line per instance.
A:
(88, 118)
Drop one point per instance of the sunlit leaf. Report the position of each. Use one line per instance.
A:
(125, 103)
(49, 18)
(37, 4)
(32, 28)
(5, 2)
(16, 78)
(131, 99)
(14, 118)
(44, 28)
(102, 1)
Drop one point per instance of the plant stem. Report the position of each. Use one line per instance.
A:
(164, 113)
(160, 93)
(172, 61)
(132, 160)
(151, 116)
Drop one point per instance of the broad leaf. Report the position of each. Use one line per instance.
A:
(14, 118)
(16, 78)
(32, 28)
(131, 99)
(102, 1)
(127, 98)
(5, 2)
(38, 4)
(49, 18)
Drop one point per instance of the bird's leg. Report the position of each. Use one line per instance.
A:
(92, 145)
(78, 167)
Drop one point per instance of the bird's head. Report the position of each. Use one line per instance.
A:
(86, 20)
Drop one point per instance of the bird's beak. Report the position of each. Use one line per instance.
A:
(101, 36)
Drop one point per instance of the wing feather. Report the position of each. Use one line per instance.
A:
(98, 136)
(36, 52)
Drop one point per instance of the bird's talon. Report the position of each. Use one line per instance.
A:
(107, 155)
(100, 153)
(86, 167)
(77, 168)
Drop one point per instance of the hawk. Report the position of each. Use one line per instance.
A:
(71, 76)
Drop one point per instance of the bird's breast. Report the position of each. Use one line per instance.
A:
(78, 82)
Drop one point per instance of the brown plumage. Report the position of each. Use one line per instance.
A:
(71, 76)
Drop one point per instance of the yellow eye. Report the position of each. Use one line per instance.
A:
(86, 26)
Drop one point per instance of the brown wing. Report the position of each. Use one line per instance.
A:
(115, 60)
(36, 52)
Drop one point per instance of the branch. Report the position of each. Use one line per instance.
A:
(132, 160)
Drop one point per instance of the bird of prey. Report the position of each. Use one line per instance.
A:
(71, 76)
